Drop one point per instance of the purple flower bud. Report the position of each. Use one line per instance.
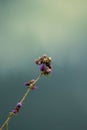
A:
(37, 61)
(14, 111)
(19, 104)
(42, 67)
(32, 80)
(34, 87)
(49, 65)
(26, 84)
(48, 71)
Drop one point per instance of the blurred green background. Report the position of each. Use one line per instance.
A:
(28, 29)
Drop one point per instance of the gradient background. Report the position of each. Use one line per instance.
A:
(28, 29)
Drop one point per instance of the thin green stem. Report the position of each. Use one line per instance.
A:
(7, 126)
(26, 94)
(11, 114)
(29, 89)
(7, 121)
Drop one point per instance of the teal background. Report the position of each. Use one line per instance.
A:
(28, 29)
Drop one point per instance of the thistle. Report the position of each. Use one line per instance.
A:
(44, 63)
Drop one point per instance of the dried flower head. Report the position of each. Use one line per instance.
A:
(45, 64)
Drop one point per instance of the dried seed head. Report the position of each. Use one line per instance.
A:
(45, 64)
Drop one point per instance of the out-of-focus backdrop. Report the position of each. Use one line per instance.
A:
(28, 29)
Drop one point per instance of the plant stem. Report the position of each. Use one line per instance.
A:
(7, 120)
(11, 114)
(29, 89)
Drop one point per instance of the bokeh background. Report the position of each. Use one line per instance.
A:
(28, 29)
